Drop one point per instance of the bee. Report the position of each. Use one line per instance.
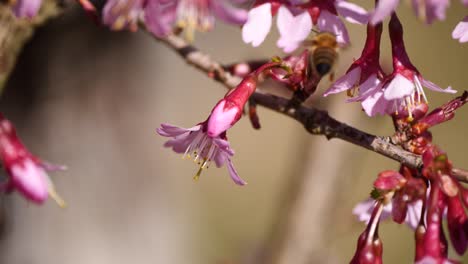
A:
(324, 53)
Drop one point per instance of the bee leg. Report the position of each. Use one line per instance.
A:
(254, 120)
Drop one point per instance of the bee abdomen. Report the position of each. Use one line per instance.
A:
(323, 59)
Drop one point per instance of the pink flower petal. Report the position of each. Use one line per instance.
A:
(435, 9)
(122, 14)
(30, 180)
(168, 130)
(26, 8)
(367, 88)
(384, 9)
(221, 119)
(233, 173)
(432, 86)
(461, 31)
(160, 17)
(258, 25)
(293, 29)
(352, 12)
(328, 22)
(398, 88)
(363, 210)
(227, 13)
(413, 214)
(345, 82)
(181, 137)
(375, 104)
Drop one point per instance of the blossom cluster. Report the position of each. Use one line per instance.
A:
(421, 197)
(295, 18)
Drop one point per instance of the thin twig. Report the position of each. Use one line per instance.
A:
(315, 121)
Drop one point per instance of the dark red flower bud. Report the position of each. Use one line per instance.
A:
(457, 225)
(441, 114)
(435, 243)
(229, 109)
(399, 207)
(369, 247)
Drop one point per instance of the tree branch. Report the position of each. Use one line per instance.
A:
(317, 122)
(15, 32)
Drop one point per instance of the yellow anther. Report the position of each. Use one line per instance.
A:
(54, 195)
(119, 23)
(197, 176)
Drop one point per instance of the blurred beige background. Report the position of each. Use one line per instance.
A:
(92, 99)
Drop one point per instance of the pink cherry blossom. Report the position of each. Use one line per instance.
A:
(403, 89)
(296, 18)
(26, 8)
(195, 142)
(26, 173)
(207, 141)
(324, 15)
(161, 16)
(365, 74)
(427, 10)
(430, 10)
(200, 15)
(398, 93)
(328, 22)
(122, 14)
(461, 31)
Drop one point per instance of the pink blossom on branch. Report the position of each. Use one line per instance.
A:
(364, 209)
(207, 141)
(430, 10)
(195, 142)
(365, 74)
(445, 194)
(26, 8)
(325, 14)
(200, 15)
(295, 20)
(122, 14)
(427, 10)
(402, 90)
(26, 173)
(408, 209)
(161, 17)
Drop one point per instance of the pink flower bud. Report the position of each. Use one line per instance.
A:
(224, 115)
(389, 180)
(229, 110)
(443, 113)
